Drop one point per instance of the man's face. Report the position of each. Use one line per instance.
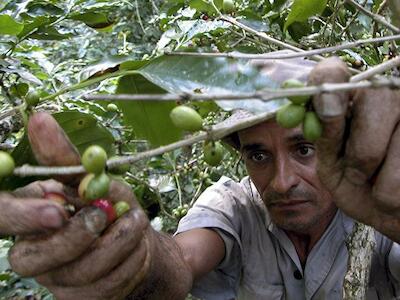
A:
(282, 165)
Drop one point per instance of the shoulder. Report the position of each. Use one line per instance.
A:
(228, 193)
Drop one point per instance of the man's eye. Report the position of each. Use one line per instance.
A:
(258, 157)
(305, 151)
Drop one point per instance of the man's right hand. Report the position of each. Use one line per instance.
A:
(81, 257)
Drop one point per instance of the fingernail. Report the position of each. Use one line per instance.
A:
(52, 218)
(330, 105)
(95, 219)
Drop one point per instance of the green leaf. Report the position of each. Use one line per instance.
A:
(149, 119)
(109, 64)
(301, 10)
(205, 6)
(23, 74)
(9, 26)
(50, 33)
(209, 75)
(35, 23)
(93, 19)
(83, 131)
(41, 7)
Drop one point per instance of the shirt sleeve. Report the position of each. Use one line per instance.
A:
(218, 209)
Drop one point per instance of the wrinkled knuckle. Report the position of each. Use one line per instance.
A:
(140, 218)
(387, 199)
(355, 176)
(331, 69)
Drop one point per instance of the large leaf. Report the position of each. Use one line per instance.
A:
(301, 10)
(9, 26)
(41, 7)
(149, 119)
(82, 129)
(33, 23)
(106, 65)
(186, 30)
(93, 19)
(49, 33)
(205, 6)
(23, 74)
(210, 75)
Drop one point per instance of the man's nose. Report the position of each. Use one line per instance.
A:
(284, 177)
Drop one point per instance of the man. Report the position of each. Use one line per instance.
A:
(277, 236)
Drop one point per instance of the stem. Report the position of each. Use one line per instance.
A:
(379, 69)
(89, 82)
(375, 17)
(10, 112)
(138, 16)
(265, 94)
(262, 35)
(353, 18)
(291, 55)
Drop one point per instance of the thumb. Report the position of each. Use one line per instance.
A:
(331, 109)
(50, 145)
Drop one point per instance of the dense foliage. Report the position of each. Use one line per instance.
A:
(62, 51)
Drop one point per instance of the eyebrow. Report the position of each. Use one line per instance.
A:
(298, 137)
(251, 147)
(295, 138)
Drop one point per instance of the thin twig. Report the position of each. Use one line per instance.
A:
(378, 69)
(333, 17)
(375, 17)
(9, 113)
(308, 53)
(5, 146)
(89, 82)
(260, 34)
(139, 17)
(351, 21)
(265, 94)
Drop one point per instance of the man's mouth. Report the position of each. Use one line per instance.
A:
(288, 203)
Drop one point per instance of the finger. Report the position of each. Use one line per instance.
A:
(50, 145)
(38, 189)
(121, 191)
(386, 189)
(33, 257)
(331, 109)
(116, 285)
(30, 216)
(42, 189)
(374, 117)
(107, 252)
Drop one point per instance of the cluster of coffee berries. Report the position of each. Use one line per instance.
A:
(186, 118)
(295, 113)
(94, 187)
(180, 211)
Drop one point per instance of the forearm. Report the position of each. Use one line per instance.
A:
(168, 276)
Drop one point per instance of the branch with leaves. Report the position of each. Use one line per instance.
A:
(216, 132)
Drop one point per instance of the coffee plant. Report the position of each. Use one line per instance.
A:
(67, 57)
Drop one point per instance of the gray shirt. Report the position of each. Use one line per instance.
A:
(261, 262)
